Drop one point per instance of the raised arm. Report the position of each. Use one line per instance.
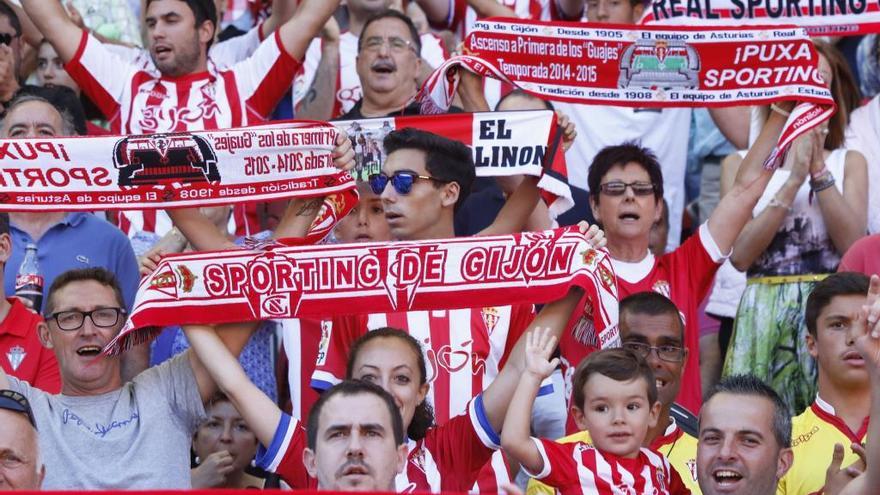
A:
(210, 355)
(554, 317)
(493, 8)
(51, 19)
(760, 230)
(516, 437)
(438, 12)
(845, 213)
(317, 103)
(201, 232)
(282, 11)
(297, 33)
(733, 122)
(735, 208)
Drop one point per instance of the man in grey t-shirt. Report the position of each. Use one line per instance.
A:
(99, 432)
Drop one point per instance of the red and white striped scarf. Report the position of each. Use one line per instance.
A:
(343, 279)
(186, 169)
(657, 66)
(819, 18)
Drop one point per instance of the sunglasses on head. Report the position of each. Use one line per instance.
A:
(618, 188)
(402, 180)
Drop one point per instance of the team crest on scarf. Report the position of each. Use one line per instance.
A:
(490, 318)
(165, 159)
(167, 282)
(660, 64)
(15, 356)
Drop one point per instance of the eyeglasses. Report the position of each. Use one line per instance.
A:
(402, 181)
(73, 320)
(671, 353)
(617, 188)
(14, 401)
(395, 44)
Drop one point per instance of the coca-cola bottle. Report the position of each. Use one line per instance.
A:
(29, 282)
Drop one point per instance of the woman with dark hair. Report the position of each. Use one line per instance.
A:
(812, 211)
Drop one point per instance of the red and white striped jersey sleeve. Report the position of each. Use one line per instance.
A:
(262, 79)
(102, 75)
(333, 350)
(300, 340)
(284, 456)
(462, 446)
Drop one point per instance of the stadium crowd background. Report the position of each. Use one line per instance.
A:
(729, 310)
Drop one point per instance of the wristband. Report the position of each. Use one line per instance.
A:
(822, 183)
(819, 174)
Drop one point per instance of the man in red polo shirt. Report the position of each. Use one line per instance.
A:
(22, 354)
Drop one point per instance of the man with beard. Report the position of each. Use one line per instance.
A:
(355, 439)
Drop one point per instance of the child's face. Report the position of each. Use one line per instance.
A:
(617, 414)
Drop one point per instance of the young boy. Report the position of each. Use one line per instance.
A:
(616, 394)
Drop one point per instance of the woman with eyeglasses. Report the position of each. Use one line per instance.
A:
(813, 209)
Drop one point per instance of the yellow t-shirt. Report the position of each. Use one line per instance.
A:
(679, 447)
(813, 435)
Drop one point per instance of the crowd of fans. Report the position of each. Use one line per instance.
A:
(749, 299)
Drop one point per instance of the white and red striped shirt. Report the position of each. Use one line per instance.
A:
(348, 84)
(300, 340)
(449, 458)
(461, 363)
(579, 468)
(136, 100)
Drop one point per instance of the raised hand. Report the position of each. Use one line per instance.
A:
(540, 344)
(343, 154)
(569, 131)
(836, 476)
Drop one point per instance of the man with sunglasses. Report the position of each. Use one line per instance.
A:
(20, 466)
(651, 326)
(626, 191)
(102, 432)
